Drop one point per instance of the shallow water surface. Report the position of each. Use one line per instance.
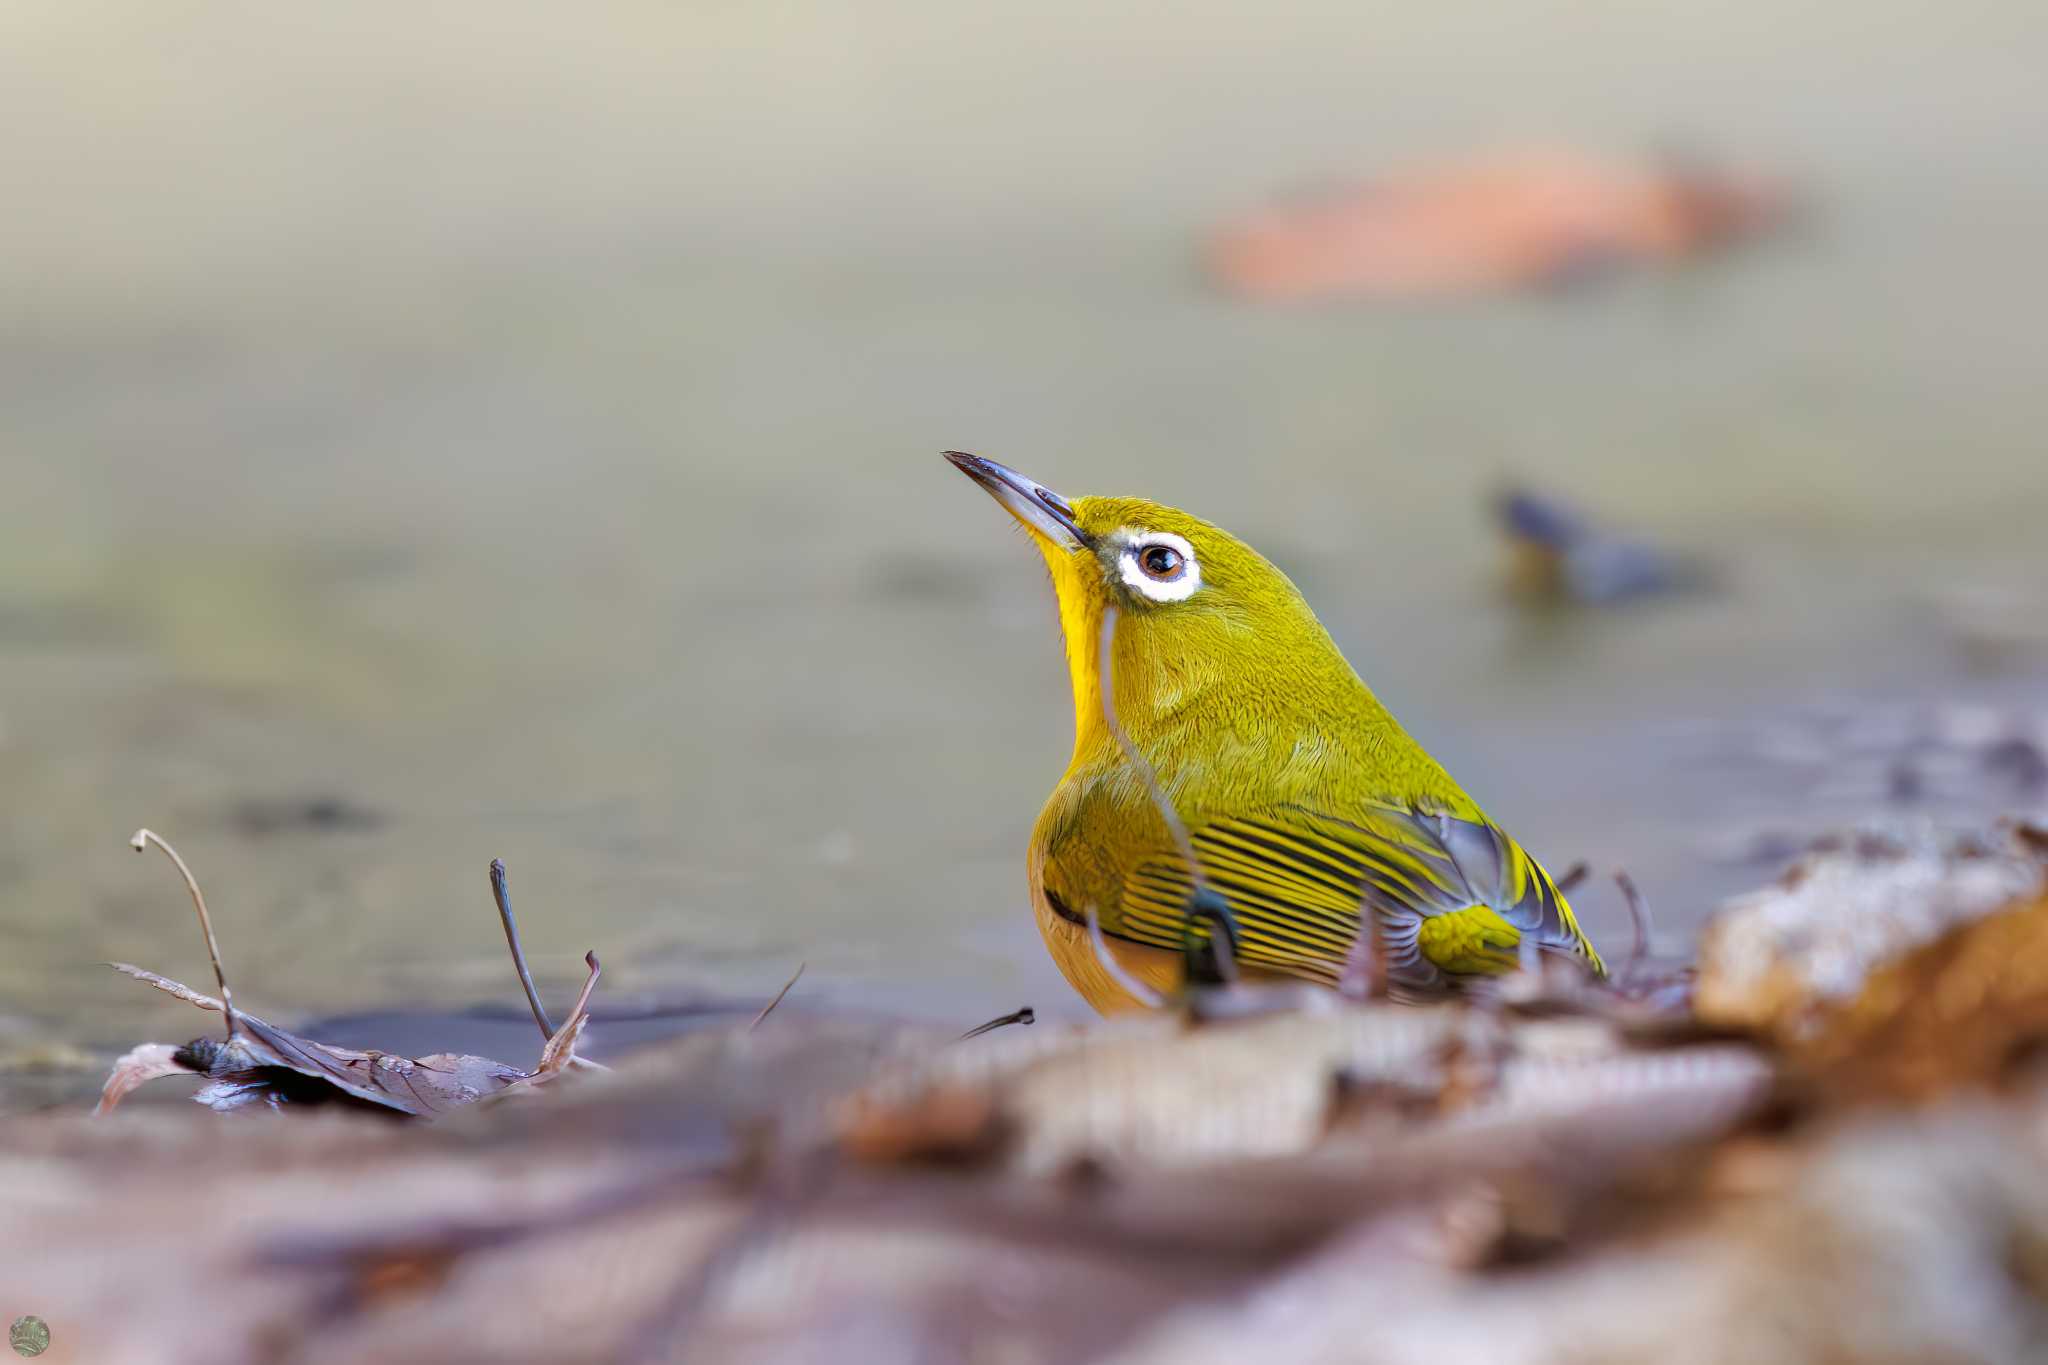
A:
(509, 432)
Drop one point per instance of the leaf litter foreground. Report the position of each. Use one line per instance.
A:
(261, 1064)
(1841, 1155)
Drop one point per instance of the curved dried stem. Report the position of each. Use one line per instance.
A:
(143, 839)
(501, 894)
(589, 982)
(560, 1049)
(1138, 990)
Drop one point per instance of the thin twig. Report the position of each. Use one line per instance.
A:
(170, 987)
(1027, 1015)
(1639, 916)
(1105, 671)
(1202, 897)
(1139, 991)
(143, 839)
(504, 899)
(589, 983)
(1573, 875)
(769, 1008)
(560, 1049)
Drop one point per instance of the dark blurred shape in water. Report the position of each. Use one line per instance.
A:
(1559, 553)
(1515, 219)
(1993, 627)
(311, 813)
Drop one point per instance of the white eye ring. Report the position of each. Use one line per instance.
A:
(1178, 588)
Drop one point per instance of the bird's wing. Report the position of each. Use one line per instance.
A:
(1452, 895)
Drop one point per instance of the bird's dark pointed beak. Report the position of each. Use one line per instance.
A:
(1043, 512)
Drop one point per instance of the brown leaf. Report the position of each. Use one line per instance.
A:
(1962, 1012)
(1511, 219)
(262, 1064)
(1779, 960)
(246, 1070)
(947, 1125)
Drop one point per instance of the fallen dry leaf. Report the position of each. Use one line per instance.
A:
(262, 1064)
(1777, 961)
(1966, 1011)
(1510, 220)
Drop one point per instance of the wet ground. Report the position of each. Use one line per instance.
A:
(516, 434)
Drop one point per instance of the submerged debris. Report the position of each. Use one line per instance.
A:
(1967, 757)
(315, 813)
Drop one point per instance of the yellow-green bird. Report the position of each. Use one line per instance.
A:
(1304, 801)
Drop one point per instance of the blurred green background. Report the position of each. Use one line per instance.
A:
(433, 433)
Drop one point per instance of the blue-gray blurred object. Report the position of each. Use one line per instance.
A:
(1560, 552)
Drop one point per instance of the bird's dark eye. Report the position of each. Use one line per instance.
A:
(1162, 562)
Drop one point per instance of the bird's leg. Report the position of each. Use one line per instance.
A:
(1211, 989)
(1209, 960)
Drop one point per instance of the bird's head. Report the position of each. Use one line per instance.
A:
(1207, 629)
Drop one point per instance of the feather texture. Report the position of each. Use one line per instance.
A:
(1453, 896)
